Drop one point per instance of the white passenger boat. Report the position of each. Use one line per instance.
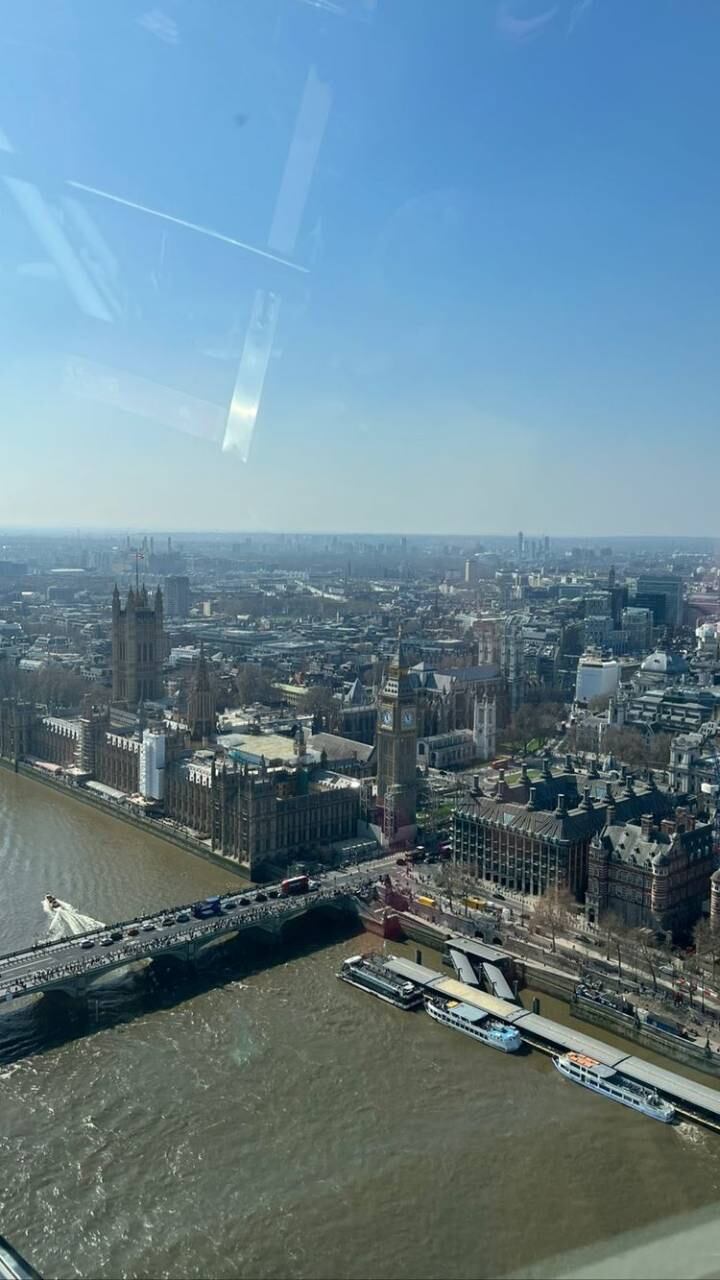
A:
(594, 1075)
(476, 1023)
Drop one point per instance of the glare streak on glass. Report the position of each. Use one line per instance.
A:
(98, 257)
(182, 222)
(300, 165)
(45, 224)
(251, 373)
(117, 388)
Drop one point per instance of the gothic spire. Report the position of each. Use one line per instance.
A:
(400, 661)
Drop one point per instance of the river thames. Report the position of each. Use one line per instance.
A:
(277, 1123)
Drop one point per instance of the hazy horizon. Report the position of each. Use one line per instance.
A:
(157, 531)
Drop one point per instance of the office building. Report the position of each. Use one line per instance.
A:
(177, 595)
(534, 836)
(663, 593)
(596, 678)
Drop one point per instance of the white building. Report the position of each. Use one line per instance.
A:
(596, 678)
(152, 765)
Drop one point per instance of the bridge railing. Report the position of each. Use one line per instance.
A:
(213, 924)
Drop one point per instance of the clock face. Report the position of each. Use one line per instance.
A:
(408, 719)
(386, 717)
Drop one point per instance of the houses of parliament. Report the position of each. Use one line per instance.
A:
(138, 755)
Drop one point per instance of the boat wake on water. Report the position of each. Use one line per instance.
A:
(65, 920)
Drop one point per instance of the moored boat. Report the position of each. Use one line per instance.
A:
(594, 1075)
(476, 1023)
(369, 973)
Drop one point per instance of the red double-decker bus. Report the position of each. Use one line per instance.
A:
(295, 884)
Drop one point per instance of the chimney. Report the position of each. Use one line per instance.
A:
(586, 802)
(609, 797)
(524, 772)
(560, 809)
(569, 764)
(646, 826)
(501, 790)
(476, 782)
(531, 802)
(609, 814)
(667, 826)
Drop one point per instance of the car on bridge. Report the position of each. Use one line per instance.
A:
(106, 940)
(87, 943)
(148, 926)
(182, 917)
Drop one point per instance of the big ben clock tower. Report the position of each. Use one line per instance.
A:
(396, 751)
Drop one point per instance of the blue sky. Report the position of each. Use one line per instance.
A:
(468, 249)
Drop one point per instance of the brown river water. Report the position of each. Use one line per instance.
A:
(269, 1121)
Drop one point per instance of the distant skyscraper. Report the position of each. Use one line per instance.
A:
(520, 545)
(177, 596)
(138, 648)
(663, 593)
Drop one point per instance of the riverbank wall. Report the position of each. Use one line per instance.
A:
(685, 1052)
(542, 979)
(148, 825)
(563, 988)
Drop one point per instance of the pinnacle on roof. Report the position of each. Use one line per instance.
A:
(400, 655)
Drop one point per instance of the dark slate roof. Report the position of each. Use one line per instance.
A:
(489, 671)
(578, 823)
(547, 791)
(631, 846)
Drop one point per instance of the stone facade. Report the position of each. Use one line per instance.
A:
(201, 704)
(138, 648)
(260, 816)
(17, 719)
(649, 874)
(256, 815)
(396, 752)
(534, 836)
